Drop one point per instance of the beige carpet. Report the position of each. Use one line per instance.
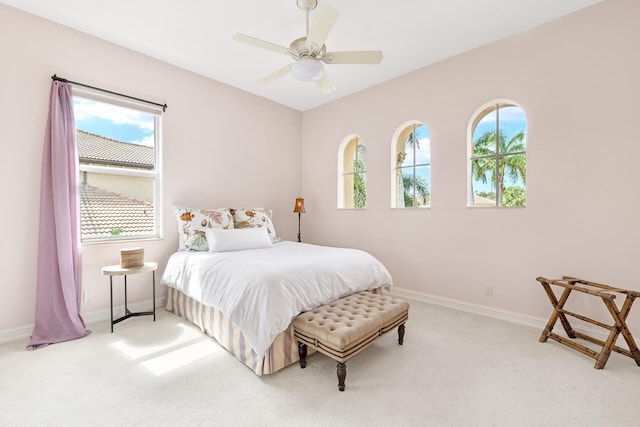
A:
(455, 369)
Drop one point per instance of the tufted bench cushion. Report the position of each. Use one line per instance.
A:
(344, 328)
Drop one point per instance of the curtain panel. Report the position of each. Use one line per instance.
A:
(59, 275)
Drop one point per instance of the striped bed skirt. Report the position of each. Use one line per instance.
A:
(283, 351)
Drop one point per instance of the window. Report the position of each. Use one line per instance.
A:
(118, 145)
(352, 180)
(498, 160)
(411, 167)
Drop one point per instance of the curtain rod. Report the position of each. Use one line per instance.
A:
(54, 77)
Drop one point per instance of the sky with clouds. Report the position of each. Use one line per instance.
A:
(113, 121)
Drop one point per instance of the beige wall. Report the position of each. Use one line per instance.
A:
(222, 147)
(578, 80)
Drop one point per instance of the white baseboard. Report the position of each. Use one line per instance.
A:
(24, 332)
(482, 310)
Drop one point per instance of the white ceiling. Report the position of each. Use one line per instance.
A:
(197, 35)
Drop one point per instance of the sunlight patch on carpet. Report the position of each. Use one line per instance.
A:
(137, 347)
(181, 357)
(180, 348)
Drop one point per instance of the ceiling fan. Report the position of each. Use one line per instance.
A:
(309, 52)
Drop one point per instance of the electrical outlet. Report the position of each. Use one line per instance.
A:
(86, 296)
(488, 291)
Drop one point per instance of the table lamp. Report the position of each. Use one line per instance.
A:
(299, 209)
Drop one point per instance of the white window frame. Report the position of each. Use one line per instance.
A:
(156, 174)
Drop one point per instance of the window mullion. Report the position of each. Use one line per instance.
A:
(118, 171)
(496, 177)
(415, 183)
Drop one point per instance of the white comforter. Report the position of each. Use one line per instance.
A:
(261, 290)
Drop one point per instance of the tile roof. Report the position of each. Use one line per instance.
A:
(105, 214)
(98, 150)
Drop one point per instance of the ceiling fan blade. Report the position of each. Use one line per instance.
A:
(243, 38)
(326, 85)
(354, 57)
(325, 17)
(275, 75)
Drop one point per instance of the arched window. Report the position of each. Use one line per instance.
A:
(497, 156)
(411, 166)
(352, 173)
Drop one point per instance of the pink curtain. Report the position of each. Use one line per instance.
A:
(59, 283)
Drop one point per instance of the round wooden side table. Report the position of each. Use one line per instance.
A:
(116, 270)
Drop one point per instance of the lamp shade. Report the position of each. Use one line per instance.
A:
(307, 69)
(299, 207)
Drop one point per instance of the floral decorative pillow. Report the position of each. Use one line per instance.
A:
(257, 217)
(193, 223)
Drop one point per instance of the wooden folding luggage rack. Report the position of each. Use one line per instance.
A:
(607, 294)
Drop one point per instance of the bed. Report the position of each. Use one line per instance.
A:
(246, 299)
(237, 281)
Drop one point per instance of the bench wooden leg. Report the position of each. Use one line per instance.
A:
(401, 334)
(342, 375)
(302, 352)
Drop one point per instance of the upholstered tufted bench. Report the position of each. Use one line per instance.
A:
(344, 328)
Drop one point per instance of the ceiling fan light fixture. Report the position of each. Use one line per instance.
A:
(307, 5)
(307, 69)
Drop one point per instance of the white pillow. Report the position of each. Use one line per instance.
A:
(221, 240)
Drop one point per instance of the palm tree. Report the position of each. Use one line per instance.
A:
(359, 191)
(509, 160)
(359, 183)
(421, 190)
